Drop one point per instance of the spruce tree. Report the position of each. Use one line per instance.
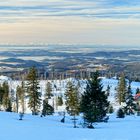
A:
(18, 91)
(130, 102)
(72, 101)
(33, 91)
(110, 109)
(20, 97)
(48, 93)
(120, 113)
(6, 101)
(121, 90)
(59, 101)
(9, 107)
(1, 95)
(47, 108)
(94, 104)
(108, 90)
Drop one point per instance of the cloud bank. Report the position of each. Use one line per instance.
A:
(70, 21)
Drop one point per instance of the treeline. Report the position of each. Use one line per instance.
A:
(92, 104)
(28, 95)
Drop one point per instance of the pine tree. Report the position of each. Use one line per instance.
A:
(48, 93)
(33, 91)
(130, 103)
(47, 108)
(18, 91)
(108, 90)
(9, 107)
(72, 101)
(120, 113)
(20, 97)
(12, 99)
(94, 104)
(121, 90)
(59, 101)
(110, 109)
(6, 97)
(1, 95)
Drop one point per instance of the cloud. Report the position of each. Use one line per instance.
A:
(79, 8)
(70, 21)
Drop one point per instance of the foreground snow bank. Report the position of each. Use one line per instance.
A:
(50, 128)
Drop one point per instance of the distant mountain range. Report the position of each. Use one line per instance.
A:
(68, 57)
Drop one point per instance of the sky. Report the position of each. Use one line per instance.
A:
(99, 22)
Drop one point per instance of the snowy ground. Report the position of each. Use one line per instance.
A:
(59, 87)
(50, 128)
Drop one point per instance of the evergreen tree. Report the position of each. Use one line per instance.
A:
(20, 97)
(48, 93)
(130, 103)
(108, 90)
(47, 108)
(18, 91)
(72, 101)
(33, 91)
(94, 104)
(120, 113)
(9, 107)
(59, 101)
(1, 95)
(6, 101)
(13, 99)
(121, 90)
(110, 109)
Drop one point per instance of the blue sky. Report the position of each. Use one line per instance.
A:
(109, 22)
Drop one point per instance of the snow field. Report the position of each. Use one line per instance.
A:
(50, 128)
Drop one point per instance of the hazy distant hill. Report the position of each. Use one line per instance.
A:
(70, 57)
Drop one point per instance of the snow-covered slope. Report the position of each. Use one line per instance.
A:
(59, 86)
(50, 128)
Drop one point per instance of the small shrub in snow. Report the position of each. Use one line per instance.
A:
(120, 113)
(47, 108)
(110, 109)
